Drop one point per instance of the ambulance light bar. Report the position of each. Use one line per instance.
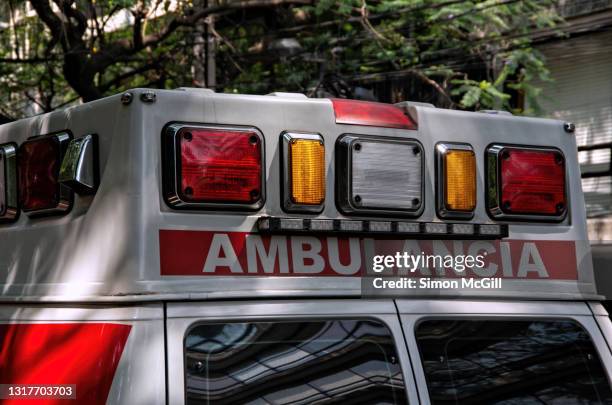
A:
(278, 225)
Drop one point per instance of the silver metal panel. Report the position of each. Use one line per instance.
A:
(107, 247)
(140, 374)
(182, 316)
(605, 325)
(597, 309)
(230, 310)
(473, 307)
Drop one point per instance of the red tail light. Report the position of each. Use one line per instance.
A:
(39, 162)
(368, 113)
(531, 182)
(215, 166)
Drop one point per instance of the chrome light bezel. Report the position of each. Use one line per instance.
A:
(171, 169)
(9, 211)
(288, 205)
(345, 202)
(442, 148)
(493, 185)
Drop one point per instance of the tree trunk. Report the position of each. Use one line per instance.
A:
(198, 67)
(211, 42)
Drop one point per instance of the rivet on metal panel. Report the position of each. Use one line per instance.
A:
(569, 127)
(126, 98)
(148, 97)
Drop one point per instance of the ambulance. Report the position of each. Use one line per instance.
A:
(189, 247)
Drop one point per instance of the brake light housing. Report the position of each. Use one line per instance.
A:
(526, 183)
(213, 167)
(303, 160)
(368, 113)
(39, 161)
(9, 198)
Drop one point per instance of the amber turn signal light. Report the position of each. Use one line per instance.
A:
(304, 172)
(457, 180)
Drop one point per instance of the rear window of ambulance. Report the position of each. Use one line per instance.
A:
(334, 361)
(511, 362)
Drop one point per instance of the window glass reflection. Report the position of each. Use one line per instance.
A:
(511, 362)
(323, 362)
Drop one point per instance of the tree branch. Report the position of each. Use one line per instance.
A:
(29, 61)
(153, 39)
(117, 80)
(46, 14)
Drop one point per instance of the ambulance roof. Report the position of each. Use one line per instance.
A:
(125, 243)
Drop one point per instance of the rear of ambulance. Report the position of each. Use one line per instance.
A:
(215, 248)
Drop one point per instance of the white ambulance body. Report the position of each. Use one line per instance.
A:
(182, 246)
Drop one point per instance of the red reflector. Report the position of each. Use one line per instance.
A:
(356, 112)
(84, 355)
(39, 162)
(218, 166)
(532, 182)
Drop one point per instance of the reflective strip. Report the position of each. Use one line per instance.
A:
(205, 253)
(83, 354)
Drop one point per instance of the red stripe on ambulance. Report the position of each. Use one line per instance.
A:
(206, 253)
(83, 354)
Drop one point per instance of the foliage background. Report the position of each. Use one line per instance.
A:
(454, 53)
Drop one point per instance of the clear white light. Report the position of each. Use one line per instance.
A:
(408, 227)
(291, 224)
(380, 226)
(351, 226)
(490, 229)
(321, 225)
(463, 229)
(386, 175)
(435, 227)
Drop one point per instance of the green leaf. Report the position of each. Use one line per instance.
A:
(471, 97)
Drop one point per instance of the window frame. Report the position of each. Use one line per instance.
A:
(182, 317)
(411, 316)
